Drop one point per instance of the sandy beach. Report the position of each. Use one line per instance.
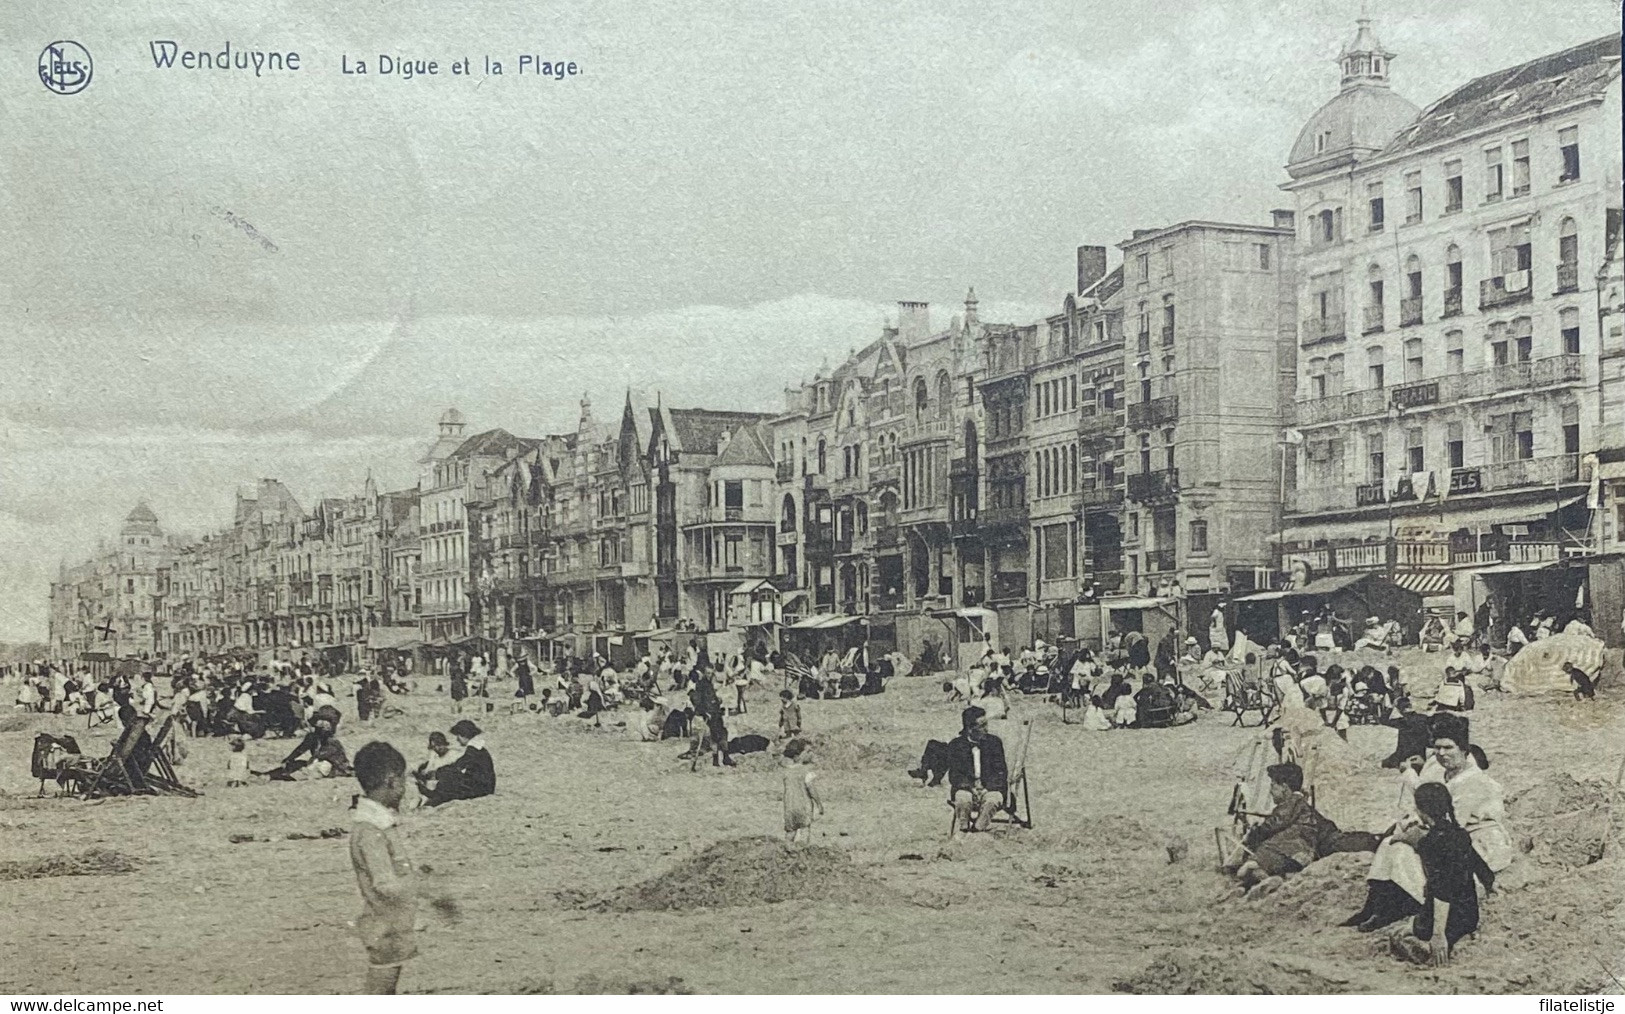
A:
(604, 865)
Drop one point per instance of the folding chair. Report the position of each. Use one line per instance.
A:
(109, 776)
(160, 773)
(1009, 811)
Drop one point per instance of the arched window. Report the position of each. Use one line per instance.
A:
(1413, 277)
(823, 456)
(1317, 377)
(1373, 298)
(945, 392)
(1568, 256)
(922, 396)
(1452, 280)
(787, 514)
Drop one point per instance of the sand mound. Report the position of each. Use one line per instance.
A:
(850, 748)
(1175, 972)
(1560, 819)
(747, 871)
(1324, 894)
(20, 721)
(1110, 836)
(95, 862)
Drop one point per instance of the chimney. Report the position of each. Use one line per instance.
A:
(972, 317)
(1091, 266)
(1284, 219)
(1143, 232)
(913, 320)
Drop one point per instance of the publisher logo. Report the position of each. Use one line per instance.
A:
(65, 67)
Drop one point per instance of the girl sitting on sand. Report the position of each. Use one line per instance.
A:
(1451, 865)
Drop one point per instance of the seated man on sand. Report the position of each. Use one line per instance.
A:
(977, 776)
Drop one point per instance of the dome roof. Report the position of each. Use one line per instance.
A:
(452, 418)
(1364, 117)
(141, 521)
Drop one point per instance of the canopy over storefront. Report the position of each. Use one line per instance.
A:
(393, 638)
(824, 622)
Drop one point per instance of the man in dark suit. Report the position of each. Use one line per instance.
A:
(977, 777)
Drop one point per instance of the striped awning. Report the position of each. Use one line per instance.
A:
(1425, 583)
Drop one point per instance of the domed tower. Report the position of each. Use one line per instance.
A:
(450, 437)
(1364, 116)
(141, 522)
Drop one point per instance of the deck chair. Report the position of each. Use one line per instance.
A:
(1010, 811)
(109, 776)
(1242, 696)
(160, 773)
(50, 756)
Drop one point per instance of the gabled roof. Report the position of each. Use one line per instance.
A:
(697, 430)
(494, 443)
(1551, 81)
(748, 447)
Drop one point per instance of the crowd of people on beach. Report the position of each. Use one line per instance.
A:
(1325, 672)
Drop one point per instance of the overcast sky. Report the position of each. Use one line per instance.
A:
(729, 195)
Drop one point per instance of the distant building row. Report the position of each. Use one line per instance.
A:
(1419, 369)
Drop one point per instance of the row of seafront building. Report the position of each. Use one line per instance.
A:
(1418, 369)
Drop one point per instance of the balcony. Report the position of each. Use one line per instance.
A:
(1010, 585)
(699, 570)
(784, 471)
(1410, 311)
(1370, 319)
(1549, 471)
(1154, 413)
(962, 466)
(1160, 561)
(1421, 556)
(884, 473)
(920, 430)
(1568, 277)
(1101, 496)
(1452, 303)
(1508, 378)
(1144, 487)
(1314, 411)
(759, 515)
(995, 517)
(1508, 290)
(1099, 424)
(1315, 330)
(1552, 471)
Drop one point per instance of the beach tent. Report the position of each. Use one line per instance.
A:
(1537, 668)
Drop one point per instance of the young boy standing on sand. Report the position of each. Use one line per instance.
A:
(800, 795)
(789, 714)
(382, 870)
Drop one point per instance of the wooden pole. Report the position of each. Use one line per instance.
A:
(1608, 812)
